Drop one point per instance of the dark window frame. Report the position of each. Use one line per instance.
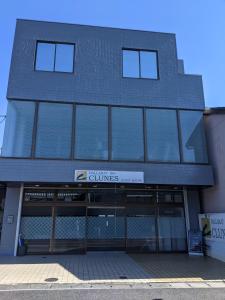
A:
(139, 56)
(73, 158)
(55, 43)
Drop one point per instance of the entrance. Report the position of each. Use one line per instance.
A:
(76, 221)
(106, 228)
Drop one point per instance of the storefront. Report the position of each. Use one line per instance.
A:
(103, 217)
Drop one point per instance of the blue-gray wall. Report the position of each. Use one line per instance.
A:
(214, 197)
(98, 68)
(193, 208)
(8, 233)
(37, 170)
(98, 79)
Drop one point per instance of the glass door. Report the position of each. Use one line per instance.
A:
(172, 230)
(69, 229)
(36, 228)
(105, 228)
(141, 229)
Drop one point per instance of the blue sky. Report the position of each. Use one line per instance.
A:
(198, 24)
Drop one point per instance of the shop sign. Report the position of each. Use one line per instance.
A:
(213, 230)
(213, 226)
(108, 176)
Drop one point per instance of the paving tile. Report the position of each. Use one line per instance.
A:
(110, 266)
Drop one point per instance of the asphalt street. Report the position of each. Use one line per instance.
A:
(112, 294)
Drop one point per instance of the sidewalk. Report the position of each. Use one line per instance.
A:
(112, 267)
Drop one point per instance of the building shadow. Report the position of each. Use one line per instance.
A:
(114, 266)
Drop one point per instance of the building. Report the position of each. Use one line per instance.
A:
(213, 218)
(104, 144)
(214, 197)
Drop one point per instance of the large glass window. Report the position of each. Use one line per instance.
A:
(140, 64)
(162, 135)
(91, 132)
(54, 57)
(54, 130)
(127, 134)
(17, 140)
(193, 137)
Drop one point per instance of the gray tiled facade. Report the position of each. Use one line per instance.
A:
(98, 68)
(98, 80)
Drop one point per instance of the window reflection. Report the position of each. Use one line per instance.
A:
(140, 64)
(17, 139)
(54, 130)
(130, 63)
(162, 135)
(127, 134)
(91, 132)
(54, 57)
(193, 137)
(64, 58)
(45, 57)
(148, 65)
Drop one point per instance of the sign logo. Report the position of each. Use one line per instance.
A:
(80, 175)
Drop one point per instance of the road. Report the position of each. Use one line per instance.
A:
(112, 294)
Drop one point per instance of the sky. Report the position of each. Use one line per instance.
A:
(199, 26)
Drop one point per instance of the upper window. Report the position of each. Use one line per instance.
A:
(54, 57)
(140, 64)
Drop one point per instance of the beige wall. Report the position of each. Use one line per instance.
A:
(214, 198)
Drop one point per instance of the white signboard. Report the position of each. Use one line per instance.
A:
(213, 228)
(108, 176)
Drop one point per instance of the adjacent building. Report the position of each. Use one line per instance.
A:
(104, 144)
(214, 197)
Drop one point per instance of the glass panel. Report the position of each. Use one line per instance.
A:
(70, 223)
(170, 197)
(162, 135)
(127, 134)
(18, 129)
(105, 196)
(106, 223)
(64, 58)
(45, 57)
(130, 63)
(148, 61)
(54, 130)
(36, 223)
(91, 132)
(172, 232)
(141, 231)
(193, 137)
